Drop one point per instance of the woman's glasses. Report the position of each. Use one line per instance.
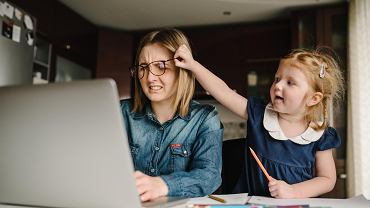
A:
(157, 68)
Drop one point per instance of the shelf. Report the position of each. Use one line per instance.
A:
(41, 63)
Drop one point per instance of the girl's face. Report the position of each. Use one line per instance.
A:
(290, 90)
(159, 89)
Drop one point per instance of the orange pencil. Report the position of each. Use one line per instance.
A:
(260, 164)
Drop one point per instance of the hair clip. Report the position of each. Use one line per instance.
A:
(322, 71)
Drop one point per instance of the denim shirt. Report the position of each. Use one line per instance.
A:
(186, 152)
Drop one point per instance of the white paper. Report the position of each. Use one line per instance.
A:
(334, 203)
(229, 198)
(18, 14)
(16, 33)
(28, 22)
(1, 8)
(8, 10)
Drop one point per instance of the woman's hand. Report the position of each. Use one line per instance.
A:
(280, 189)
(150, 187)
(184, 58)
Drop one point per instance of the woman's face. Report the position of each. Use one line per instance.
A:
(159, 89)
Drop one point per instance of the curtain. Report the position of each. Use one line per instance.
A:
(358, 147)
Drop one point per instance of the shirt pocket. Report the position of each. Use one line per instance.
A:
(134, 149)
(180, 157)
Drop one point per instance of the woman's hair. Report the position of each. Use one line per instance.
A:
(170, 39)
(324, 75)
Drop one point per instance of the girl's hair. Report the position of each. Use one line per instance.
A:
(324, 75)
(170, 39)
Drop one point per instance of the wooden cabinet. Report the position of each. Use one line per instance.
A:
(115, 55)
(327, 26)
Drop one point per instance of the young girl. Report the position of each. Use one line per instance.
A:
(290, 134)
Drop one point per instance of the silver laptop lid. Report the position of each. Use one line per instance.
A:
(64, 145)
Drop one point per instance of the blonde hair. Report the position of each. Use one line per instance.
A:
(324, 75)
(170, 39)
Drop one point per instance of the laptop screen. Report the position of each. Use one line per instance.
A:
(64, 145)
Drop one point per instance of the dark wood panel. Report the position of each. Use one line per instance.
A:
(114, 58)
(226, 50)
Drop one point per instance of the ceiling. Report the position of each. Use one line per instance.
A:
(146, 14)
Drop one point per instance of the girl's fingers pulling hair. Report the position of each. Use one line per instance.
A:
(178, 58)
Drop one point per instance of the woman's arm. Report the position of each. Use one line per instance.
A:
(323, 182)
(211, 83)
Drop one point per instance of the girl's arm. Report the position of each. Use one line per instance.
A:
(211, 83)
(325, 179)
(323, 182)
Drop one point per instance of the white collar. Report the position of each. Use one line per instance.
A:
(271, 124)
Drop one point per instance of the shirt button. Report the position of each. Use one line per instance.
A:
(156, 148)
(152, 170)
(161, 128)
(185, 152)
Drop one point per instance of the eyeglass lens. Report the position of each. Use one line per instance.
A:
(157, 68)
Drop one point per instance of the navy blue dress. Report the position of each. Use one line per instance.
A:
(283, 159)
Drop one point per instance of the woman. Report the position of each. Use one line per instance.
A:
(175, 142)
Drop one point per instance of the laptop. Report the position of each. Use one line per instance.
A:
(64, 145)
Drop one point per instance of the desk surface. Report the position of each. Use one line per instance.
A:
(359, 201)
(176, 202)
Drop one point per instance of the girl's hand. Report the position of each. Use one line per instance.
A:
(150, 187)
(184, 58)
(280, 189)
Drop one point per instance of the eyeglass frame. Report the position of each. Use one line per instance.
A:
(134, 69)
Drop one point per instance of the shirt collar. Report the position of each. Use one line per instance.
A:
(271, 124)
(149, 113)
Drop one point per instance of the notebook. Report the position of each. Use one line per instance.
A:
(64, 145)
